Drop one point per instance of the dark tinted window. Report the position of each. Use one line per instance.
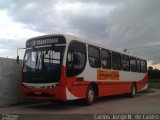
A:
(94, 56)
(76, 58)
(105, 59)
(143, 66)
(138, 66)
(125, 63)
(116, 61)
(133, 64)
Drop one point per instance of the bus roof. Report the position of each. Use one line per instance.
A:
(71, 37)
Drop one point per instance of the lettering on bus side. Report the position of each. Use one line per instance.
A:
(107, 75)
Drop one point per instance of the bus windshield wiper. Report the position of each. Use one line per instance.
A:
(37, 65)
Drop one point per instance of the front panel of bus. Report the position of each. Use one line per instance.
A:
(43, 73)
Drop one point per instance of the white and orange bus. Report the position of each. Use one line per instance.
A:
(64, 67)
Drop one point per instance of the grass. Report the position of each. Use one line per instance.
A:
(145, 91)
(154, 85)
(154, 80)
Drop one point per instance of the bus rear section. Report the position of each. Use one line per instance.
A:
(43, 72)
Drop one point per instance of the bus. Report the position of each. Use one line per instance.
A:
(64, 67)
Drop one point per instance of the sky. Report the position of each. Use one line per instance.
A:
(119, 24)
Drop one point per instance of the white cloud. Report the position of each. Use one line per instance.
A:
(12, 35)
(116, 23)
(10, 29)
(135, 24)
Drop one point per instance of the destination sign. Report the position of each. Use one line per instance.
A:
(45, 41)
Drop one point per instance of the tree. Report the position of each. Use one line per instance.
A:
(150, 68)
(153, 73)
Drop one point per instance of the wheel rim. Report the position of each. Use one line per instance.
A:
(91, 96)
(133, 91)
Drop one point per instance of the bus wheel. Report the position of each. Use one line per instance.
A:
(133, 90)
(90, 96)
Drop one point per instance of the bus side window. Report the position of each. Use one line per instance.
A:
(133, 64)
(105, 59)
(94, 56)
(125, 63)
(116, 61)
(138, 66)
(76, 58)
(143, 66)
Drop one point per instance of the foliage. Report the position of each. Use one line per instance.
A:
(153, 73)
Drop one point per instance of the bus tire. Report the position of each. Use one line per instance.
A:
(133, 90)
(90, 95)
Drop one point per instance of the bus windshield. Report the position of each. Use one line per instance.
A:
(42, 64)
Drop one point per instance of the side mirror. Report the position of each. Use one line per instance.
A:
(18, 55)
(17, 59)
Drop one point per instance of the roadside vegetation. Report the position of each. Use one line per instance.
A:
(154, 80)
(154, 83)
